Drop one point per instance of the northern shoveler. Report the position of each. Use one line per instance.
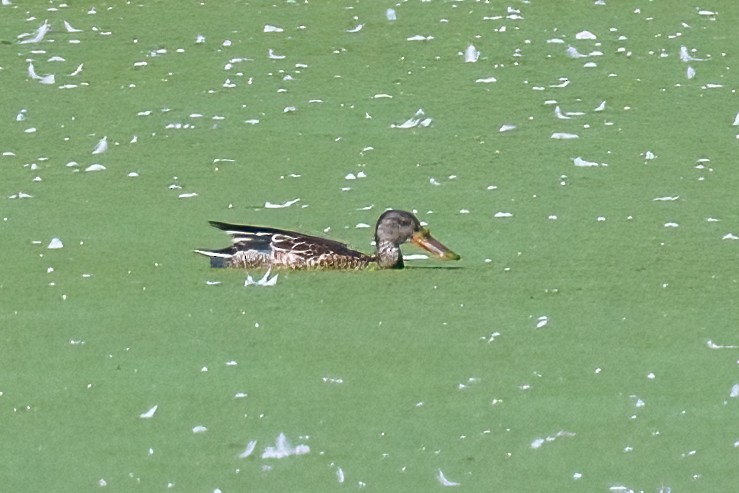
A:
(255, 246)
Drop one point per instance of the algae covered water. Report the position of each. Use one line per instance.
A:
(578, 156)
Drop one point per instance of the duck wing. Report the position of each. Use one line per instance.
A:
(280, 247)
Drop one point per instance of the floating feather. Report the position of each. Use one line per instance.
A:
(40, 33)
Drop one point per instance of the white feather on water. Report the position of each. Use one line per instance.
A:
(417, 120)
(585, 35)
(283, 448)
(149, 413)
(471, 54)
(272, 55)
(270, 205)
(685, 56)
(39, 34)
(265, 280)
(564, 136)
(582, 163)
(248, 450)
(71, 29)
(55, 244)
(43, 79)
(443, 480)
(538, 442)
(101, 147)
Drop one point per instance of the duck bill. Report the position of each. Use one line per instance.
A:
(424, 239)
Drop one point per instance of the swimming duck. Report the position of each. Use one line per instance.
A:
(263, 247)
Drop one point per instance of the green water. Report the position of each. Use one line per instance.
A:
(585, 341)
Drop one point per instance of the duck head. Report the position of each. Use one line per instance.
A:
(395, 227)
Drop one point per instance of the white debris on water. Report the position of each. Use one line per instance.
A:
(419, 37)
(443, 480)
(20, 195)
(712, 345)
(415, 256)
(101, 146)
(470, 381)
(270, 205)
(471, 54)
(149, 413)
(37, 36)
(248, 450)
(585, 35)
(538, 442)
(667, 198)
(55, 244)
(686, 57)
(272, 55)
(418, 120)
(71, 29)
(564, 136)
(283, 448)
(43, 79)
(265, 280)
(637, 401)
(333, 380)
(583, 163)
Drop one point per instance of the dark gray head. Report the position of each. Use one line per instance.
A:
(395, 227)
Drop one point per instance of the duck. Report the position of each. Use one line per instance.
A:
(273, 248)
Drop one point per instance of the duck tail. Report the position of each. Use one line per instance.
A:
(218, 258)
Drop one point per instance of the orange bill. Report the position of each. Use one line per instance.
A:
(424, 239)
